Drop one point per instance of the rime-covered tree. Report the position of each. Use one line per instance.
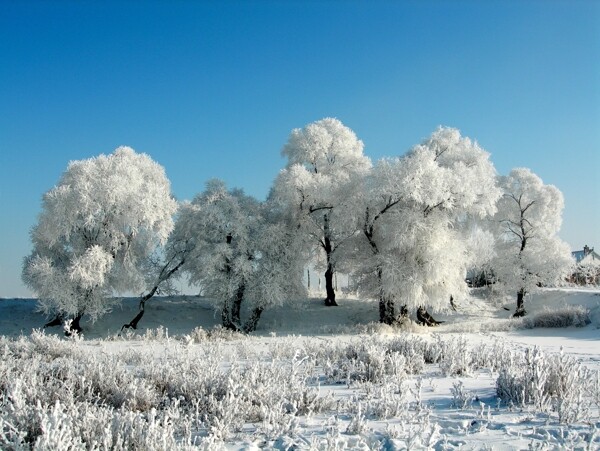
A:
(98, 229)
(240, 256)
(529, 253)
(413, 209)
(323, 173)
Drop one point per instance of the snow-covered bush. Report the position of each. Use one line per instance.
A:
(217, 333)
(491, 355)
(358, 422)
(586, 273)
(461, 398)
(550, 383)
(571, 315)
(455, 356)
(416, 351)
(364, 361)
(180, 395)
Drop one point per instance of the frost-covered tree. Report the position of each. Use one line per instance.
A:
(413, 208)
(586, 273)
(323, 173)
(240, 255)
(98, 228)
(529, 253)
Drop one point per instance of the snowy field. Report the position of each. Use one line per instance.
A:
(310, 377)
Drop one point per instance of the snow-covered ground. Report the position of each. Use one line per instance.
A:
(311, 377)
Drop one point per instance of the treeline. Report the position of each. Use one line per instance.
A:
(406, 228)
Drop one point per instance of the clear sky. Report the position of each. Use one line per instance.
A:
(212, 89)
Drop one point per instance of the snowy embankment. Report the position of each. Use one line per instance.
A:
(310, 378)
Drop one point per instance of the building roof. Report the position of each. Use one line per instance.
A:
(585, 254)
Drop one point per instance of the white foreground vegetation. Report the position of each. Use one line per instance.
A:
(384, 389)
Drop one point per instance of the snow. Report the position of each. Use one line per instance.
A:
(429, 412)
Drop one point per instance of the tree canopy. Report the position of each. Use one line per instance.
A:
(98, 226)
(407, 229)
(413, 207)
(323, 173)
(529, 253)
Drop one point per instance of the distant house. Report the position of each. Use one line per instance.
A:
(587, 270)
(587, 255)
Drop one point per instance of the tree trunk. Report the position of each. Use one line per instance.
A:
(520, 312)
(330, 299)
(383, 310)
(226, 316)
(387, 314)
(328, 247)
(165, 274)
(237, 306)
(134, 322)
(57, 321)
(387, 311)
(75, 325)
(424, 318)
(228, 310)
(252, 322)
(452, 304)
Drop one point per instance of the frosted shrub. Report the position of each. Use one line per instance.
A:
(399, 356)
(181, 377)
(461, 398)
(493, 356)
(416, 433)
(277, 422)
(387, 400)
(358, 422)
(217, 333)
(158, 334)
(415, 350)
(550, 383)
(572, 388)
(365, 361)
(57, 431)
(525, 382)
(50, 346)
(455, 356)
(572, 315)
(224, 414)
(208, 396)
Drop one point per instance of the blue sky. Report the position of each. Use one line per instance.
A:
(212, 89)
